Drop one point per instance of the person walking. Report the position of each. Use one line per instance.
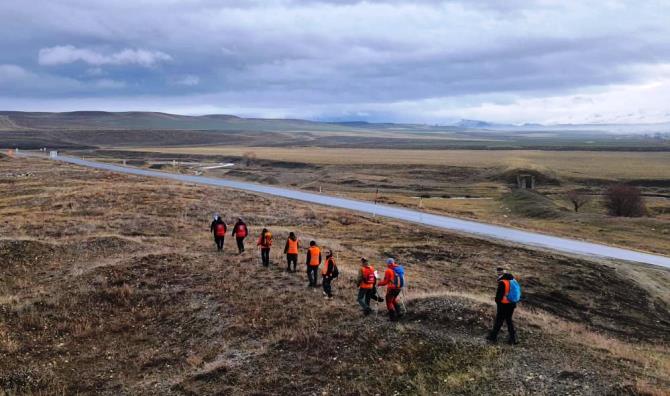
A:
(507, 295)
(218, 229)
(329, 272)
(240, 232)
(366, 285)
(313, 261)
(291, 250)
(265, 243)
(394, 280)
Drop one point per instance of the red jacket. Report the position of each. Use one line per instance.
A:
(389, 274)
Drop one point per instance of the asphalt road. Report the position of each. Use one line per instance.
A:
(474, 228)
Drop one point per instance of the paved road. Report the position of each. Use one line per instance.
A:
(448, 223)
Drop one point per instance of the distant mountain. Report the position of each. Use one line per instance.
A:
(133, 120)
(136, 120)
(475, 124)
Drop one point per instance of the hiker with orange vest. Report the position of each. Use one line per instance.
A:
(265, 242)
(366, 285)
(313, 261)
(507, 295)
(240, 232)
(329, 272)
(394, 280)
(291, 250)
(218, 229)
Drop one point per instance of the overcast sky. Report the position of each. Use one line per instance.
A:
(421, 61)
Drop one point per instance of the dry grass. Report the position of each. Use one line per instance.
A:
(139, 294)
(588, 164)
(653, 358)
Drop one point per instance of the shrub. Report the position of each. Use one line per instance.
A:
(623, 200)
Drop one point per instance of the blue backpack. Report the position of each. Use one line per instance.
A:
(399, 277)
(514, 294)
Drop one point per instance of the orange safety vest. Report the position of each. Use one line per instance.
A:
(368, 278)
(324, 270)
(504, 299)
(314, 253)
(292, 246)
(265, 242)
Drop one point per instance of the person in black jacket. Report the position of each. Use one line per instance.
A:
(328, 273)
(218, 229)
(240, 232)
(504, 308)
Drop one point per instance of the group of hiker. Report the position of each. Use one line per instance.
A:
(508, 292)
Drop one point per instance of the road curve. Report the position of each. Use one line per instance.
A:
(448, 223)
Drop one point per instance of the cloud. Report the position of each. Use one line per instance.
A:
(60, 55)
(15, 79)
(107, 83)
(331, 58)
(188, 80)
(10, 73)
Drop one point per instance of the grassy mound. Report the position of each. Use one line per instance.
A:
(527, 203)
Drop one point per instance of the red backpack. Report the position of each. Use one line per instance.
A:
(220, 230)
(241, 231)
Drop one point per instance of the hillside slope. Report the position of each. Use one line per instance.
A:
(110, 285)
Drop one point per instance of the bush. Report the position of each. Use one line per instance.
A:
(623, 200)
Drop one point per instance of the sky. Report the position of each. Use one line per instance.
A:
(424, 61)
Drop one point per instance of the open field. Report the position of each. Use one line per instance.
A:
(469, 184)
(99, 129)
(579, 164)
(110, 285)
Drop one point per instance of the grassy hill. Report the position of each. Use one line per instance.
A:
(85, 129)
(110, 285)
(137, 120)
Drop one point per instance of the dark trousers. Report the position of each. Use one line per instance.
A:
(219, 242)
(364, 296)
(311, 274)
(392, 300)
(240, 244)
(504, 314)
(327, 287)
(291, 258)
(265, 256)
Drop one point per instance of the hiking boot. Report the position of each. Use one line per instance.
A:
(491, 339)
(367, 311)
(393, 316)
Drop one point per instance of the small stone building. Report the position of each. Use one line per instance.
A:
(525, 182)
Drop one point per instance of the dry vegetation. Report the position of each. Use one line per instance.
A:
(589, 164)
(110, 284)
(475, 184)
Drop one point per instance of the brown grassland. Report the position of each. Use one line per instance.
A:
(110, 285)
(591, 164)
(473, 184)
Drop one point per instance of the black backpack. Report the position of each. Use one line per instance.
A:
(336, 272)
